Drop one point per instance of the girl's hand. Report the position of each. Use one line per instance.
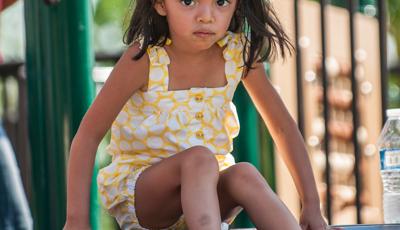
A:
(311, 219)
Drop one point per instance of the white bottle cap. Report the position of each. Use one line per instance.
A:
(393, 112)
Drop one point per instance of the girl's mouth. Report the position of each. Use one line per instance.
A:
(204, 34)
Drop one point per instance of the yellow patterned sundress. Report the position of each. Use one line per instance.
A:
(157, 123)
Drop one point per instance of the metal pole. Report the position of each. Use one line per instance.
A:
(351, 6)
(383, 56)
(299, 75)
(59, 61)
(325, 85)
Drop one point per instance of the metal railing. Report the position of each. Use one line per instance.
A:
(351, 9)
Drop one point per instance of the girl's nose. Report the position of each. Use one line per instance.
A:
(205, 15)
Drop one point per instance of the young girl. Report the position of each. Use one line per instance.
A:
(169, 104)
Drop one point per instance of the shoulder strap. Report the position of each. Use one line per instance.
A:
(233, 55)
(158, 72)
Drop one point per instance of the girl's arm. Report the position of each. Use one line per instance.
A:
(127, 77)
(285, 133)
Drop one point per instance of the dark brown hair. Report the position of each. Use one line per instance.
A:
(255, 18)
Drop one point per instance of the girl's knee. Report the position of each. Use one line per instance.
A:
(199, 158)
(244, 174)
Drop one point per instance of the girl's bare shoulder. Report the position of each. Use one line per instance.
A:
(130, 71)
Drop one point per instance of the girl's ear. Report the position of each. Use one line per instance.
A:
(160, 7)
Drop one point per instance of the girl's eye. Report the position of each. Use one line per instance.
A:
(223, 2)
(187, 2)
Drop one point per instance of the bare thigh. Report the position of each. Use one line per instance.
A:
(157, 193)
(231, 182)
(229, 208)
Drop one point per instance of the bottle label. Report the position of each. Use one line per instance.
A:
(390, 159)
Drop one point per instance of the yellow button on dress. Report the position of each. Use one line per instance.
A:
(157, 123)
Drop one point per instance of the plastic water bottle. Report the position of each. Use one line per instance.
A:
(389, 149)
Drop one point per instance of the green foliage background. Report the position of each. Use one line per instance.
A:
(394, 20)
(107, 11)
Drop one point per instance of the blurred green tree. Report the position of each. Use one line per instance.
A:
(394, 20)
(107, 11)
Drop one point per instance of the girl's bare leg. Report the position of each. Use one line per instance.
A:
(243, 185)
(185, 182)
(159, 201)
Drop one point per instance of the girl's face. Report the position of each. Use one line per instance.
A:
(197, 23)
